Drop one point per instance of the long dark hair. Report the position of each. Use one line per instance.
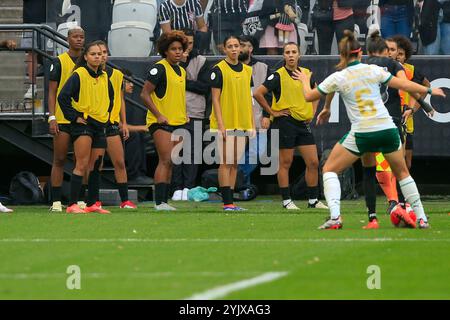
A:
(349, 48)
(81, 61)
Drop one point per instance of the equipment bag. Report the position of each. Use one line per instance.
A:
(26, 189)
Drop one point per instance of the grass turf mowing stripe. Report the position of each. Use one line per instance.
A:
(131, 240)
(222, 291)
(28, 276)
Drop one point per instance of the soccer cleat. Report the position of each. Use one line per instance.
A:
(391, 206)
(290, 206)
(75, 208)
(164, 207)
(98, 204)
(4, 209)
(317, 205)
(406, 218)
(97, 209)
(82, 204)
(232, 207)
(423, 224)
(56, 206)
(177, 195)
(332, 224)
(184, 195)
(128, 205)
(372, 225)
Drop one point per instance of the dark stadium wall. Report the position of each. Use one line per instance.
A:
(432, 138)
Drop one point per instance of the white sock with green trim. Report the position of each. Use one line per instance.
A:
(332, 190)
(412, 196)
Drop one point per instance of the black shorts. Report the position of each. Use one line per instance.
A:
(96, 132)
(293, 133)
(166, 127)
(112, 129)
(409, 141)
(64, 127)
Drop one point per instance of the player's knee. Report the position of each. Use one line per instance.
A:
(59, 161)
(165, 162)
(119, 165)
(313, 164)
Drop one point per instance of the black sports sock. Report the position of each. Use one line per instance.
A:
(159, 193)
(227, 196)
(166, 192)
(75, 185)
(93, 187)
(82, 196)
(370, 192)
(313, 192)
(123, 191)
(285, 194)
(56, 194)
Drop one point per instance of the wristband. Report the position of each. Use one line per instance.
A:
(406, 108)
(425, 106)
(429, 91)
(51, 118)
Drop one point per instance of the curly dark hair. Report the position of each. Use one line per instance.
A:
(404, 43)
(167, 39)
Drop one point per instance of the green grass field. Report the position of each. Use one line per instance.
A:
(145, 254)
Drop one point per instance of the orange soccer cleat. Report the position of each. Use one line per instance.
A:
(372, 225)
(97, 209)
(75, 208)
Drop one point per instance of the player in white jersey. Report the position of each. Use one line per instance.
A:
(372, 127)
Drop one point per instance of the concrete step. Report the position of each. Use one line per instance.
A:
(11, 3)
(13, 20)
(11, 12)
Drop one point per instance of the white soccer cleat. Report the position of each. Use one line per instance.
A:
(164, 207)
(184, 196)
(82, 205)
(332, 224)
(4, 209)
(177, 195)
(290, 206)
(317, 205)
(56, 206)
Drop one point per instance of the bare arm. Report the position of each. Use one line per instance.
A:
(52, 90)
(201, 24)
(148, 102)
(259, 96)
(310, 94)
(123, 117)
(133, 128)
(165, 27)
(412, 87)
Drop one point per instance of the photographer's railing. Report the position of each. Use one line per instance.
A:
(45, 42)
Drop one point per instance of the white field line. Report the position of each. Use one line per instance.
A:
(218, 240)
(30, 276)
(222, 291)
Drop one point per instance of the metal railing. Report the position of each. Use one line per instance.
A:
(41, 34)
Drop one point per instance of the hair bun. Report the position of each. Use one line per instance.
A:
(349, 34)
(375, 35)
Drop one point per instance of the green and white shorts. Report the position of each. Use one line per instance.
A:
(385, 141)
